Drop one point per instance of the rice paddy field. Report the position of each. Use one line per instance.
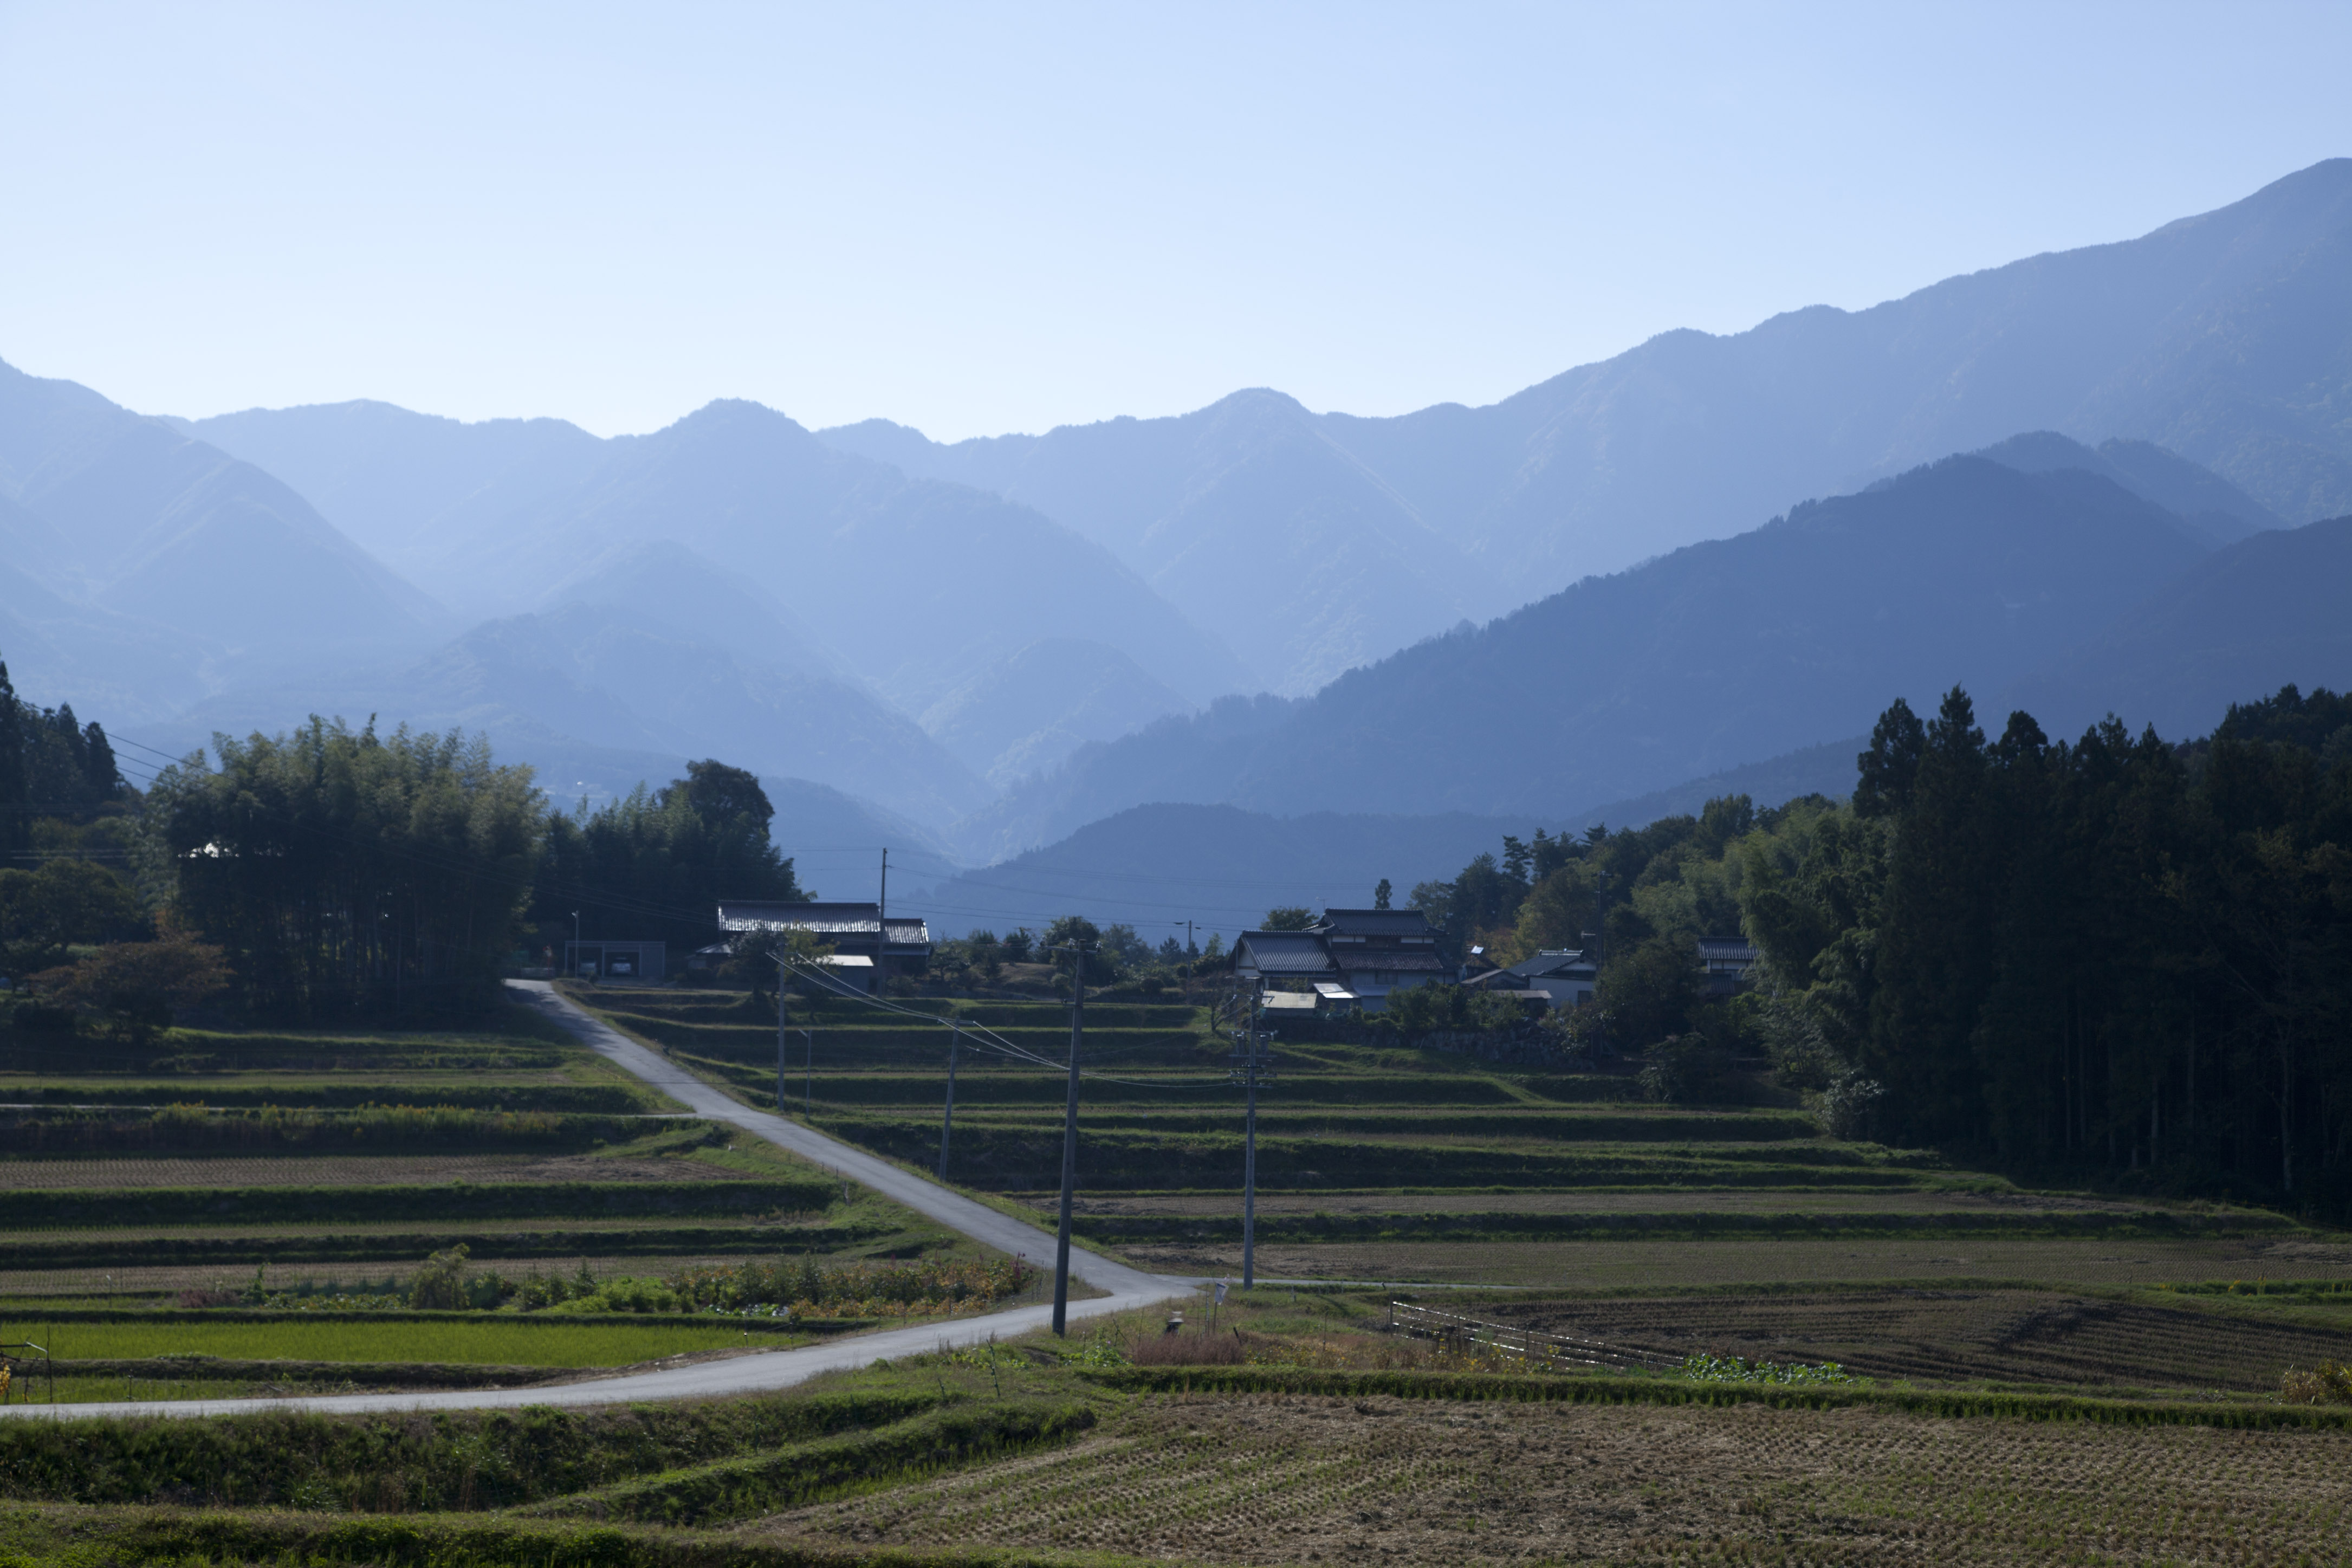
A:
(212, 1171)
(1926, 1360)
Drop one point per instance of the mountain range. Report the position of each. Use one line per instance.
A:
(1565, 603)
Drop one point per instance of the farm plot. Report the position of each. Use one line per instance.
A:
(2045, 1338)
(1272, 1478)
(1667, 1264)
(340, 1171)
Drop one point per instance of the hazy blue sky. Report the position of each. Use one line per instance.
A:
(986, 218)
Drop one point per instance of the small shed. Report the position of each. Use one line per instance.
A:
(639, 962)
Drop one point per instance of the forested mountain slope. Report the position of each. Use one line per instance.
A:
(1720, 654)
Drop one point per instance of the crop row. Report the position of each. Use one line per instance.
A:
(574, 1098)
(1436, 1122)
(1464, 1226)
(1026, 1159)
(69, 1209)
(1670, 1389)
(326, 1247)
(195, 1126)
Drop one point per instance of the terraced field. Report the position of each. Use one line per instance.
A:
(1380, 1164)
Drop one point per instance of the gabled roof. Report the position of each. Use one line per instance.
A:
(1376, 922)
(1559, 962)
(1283, 952)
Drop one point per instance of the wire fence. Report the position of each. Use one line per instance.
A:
(1541, 1351)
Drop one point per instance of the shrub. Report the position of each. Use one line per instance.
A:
(1685, 1067)
(2329, 1383)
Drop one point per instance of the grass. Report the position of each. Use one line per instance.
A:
(493, 1341)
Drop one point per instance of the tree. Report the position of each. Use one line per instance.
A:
(655, 866)
(347, 872)
(1649, 991)
(65, 904)
(1891, 763)
(135, 985)
(1289, 917)
(1382, 894)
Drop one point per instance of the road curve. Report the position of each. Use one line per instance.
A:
(1127, 1288)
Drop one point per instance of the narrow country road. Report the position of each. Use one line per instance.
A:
(1127, 1288)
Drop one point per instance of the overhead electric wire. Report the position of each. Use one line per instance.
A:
(991, 1040)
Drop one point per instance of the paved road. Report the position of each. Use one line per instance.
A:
(1127, 1288)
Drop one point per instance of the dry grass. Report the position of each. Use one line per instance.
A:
(1277, 1479)
(1668, 1264)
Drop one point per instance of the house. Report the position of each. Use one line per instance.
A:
(1355, 957)
(862, 950)
(1726, 960)
(644, 963)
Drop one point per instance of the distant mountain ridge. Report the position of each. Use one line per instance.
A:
(2225, 338)
(1968, 571)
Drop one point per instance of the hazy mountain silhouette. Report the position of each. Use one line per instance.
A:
(605, 677)
(1033, 706)
(1156, 867)
(2226, 337)
(1715, 655)
(165, 566)
(411, 487)
(1246, 515)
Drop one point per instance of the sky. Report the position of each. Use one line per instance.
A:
(978, 218)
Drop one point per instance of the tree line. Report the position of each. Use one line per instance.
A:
(2115, 955)
(338, 872)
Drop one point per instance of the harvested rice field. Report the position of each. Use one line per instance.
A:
(488, 1340)
(1268, 1478)
(2025, 1338)
(1667, 1263)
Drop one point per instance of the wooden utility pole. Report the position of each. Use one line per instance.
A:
(947, 1123)
(1070, 1137)
(1251, 1064)
(781, 995)
(881, 924)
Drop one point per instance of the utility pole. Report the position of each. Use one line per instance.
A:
(1251, 1065)
(1069, 1137)
(781, 995)
(947, 1123)
(881, 924)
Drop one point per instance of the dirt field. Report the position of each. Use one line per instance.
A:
(1665, 1264)
(348, 1170)
(2040, 1337)
(1275, 1479)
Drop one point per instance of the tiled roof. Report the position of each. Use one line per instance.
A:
(1359, 961)
(1284, 952)
(1376, 922)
